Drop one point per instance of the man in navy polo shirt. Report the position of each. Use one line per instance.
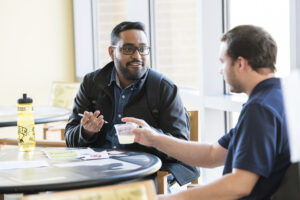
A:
(255, 153)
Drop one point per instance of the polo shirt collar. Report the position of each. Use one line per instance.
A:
(270, 82)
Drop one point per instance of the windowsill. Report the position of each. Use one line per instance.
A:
(229, 102)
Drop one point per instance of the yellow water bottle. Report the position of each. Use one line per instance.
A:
(26, 135)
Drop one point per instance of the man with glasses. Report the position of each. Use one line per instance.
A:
(120, 89)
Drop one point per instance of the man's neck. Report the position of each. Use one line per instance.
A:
(124, 83)
(255, 78)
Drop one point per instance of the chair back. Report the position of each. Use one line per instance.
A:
(290, 184)
(63, 94)
(142, 190)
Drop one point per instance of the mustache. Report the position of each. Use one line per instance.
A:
(135, 61)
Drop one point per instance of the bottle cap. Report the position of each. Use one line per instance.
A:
(25, 99)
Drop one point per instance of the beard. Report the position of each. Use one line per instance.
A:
(234, 85)
(130, 74)
(236, 89)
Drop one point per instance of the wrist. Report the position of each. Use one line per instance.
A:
(155, 141)
(87, 134)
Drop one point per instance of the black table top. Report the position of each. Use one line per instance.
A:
(72, 173)
(41, 114)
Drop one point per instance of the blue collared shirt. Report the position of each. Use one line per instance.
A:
(122, 97)
(259, 141)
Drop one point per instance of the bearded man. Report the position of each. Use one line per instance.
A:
(121, 89)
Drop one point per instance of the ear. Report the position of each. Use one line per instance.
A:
(243, 63)
(111, 52)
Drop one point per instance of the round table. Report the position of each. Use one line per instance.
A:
(70, 173)
(41, 114)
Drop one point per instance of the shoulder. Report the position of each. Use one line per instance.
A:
(269, 97)
(256, 110)
(99, 75)
(272, 104)
(164, 81)
(91, 75)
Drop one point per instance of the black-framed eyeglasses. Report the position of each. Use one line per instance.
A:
(129, 49)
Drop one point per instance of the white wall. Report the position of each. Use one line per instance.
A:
(36, 48)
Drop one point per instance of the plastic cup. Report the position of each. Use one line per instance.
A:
(124, 133)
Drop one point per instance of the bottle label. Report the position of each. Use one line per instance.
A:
(26, 134)
(25, 108)
(25, 123)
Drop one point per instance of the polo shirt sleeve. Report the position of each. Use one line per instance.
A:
(224, 141)
(254, 147)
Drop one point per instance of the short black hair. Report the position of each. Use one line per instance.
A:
(115, 34)
(252, 43)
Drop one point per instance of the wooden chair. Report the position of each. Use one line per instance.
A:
(62, 95)
(162, 184)
(138, 190)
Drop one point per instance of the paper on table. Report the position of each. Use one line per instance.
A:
(68, 153)
(22, 164)
(96, 155)
(291, 92)
(53, 154)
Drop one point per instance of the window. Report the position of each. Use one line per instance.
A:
(177, 32)
(107, 14)
(274, 17)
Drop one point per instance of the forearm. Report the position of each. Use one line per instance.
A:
(228, 187)
(74, 136)
(72, 132)
(192, 153)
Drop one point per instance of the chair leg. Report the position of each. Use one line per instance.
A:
(196, 181)
(45, 133)
(162, 183)
(62, 134)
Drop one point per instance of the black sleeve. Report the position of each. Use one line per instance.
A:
(172, 116)
(82, 102)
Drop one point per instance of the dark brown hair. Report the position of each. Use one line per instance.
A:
(115, 34)
(252, 43)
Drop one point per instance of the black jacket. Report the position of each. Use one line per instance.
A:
(95, 94)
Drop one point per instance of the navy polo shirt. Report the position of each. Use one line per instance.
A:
(259, 141)
(121, 97)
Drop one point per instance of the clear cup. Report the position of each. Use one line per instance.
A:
(124, 133)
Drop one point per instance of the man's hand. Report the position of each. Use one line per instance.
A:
(91, 123)
(144, 135)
